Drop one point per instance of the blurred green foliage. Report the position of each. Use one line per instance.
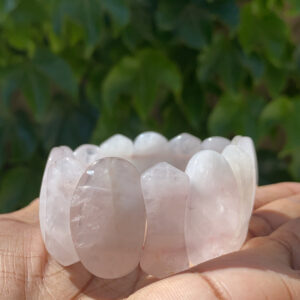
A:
(78, 71)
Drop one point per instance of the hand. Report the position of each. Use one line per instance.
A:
(267, 267)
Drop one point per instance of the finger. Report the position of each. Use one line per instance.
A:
(288, 238)
(28, 214)
(269, 217)
(268, 193)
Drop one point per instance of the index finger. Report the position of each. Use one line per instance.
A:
(272, 192)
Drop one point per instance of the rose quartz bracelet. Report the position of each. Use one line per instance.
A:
(166, 205)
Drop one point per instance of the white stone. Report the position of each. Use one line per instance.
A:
(216, 143)
(246, 143)
(212, 215)
(149, 149)
(117, 146)
(55, 154)
(62, 177)
(107, 218)
(87, 153)
(181, 148)
(165, 190)
(244, 172)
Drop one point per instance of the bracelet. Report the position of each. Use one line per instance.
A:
(166, 205)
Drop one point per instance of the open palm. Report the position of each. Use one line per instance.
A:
(267, 267)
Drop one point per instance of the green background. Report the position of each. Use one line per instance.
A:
(78, 71)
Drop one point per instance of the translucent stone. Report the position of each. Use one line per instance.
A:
(181, 148)
(216, 143)
(212, 214)
(87, 153)
(62, 177)
(117, 146)
(246, 143)
(107, 218)
(55, 154)
(165, 190)
(244, 172)
(150, 148)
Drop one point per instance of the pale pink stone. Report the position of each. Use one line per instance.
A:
(117, 146)
(216, 143)
(87, 153)
(107, 218)
(244, 172)
(62, 177)
(165, 190)
(212, 214)
(149, 149)
(181, 148)
(55, 154)
(246, 143)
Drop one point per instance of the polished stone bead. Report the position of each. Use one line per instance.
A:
(216, 143)
(165, 190)
(181, 148)
(107, 218)
(212, 214)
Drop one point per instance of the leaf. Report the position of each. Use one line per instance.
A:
(56, 69)
(274, 113)
(295, 5)
(223, 59)
(118, 9)
(294, 166)
(6, 6)
(254, 64)
(19, 137)
(292, 125)
(167, 14)
(194, 27)
(155, 71)
(37, 92)
(226, 117)
(87, 13)
(11, 83)
(193, 106)
(225, 10)
(272, 169)
(265, 31)
(28, 12)
(65, 124)
(284, 112)
(142, 77)
(275, 79)
(120, 80)
(18, 187)
(236, 114)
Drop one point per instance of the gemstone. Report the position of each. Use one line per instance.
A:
(55, 154)
(246, 143)
(216, 143)
(181, 148)
(87, 153)
(212, 215)
(107, 218)
(244, 172)
(149, 149)
(62, 177)
(165, 190)
(117, 146)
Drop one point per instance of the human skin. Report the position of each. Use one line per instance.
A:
(267, 266)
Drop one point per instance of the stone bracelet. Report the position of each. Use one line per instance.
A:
(166, 205)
